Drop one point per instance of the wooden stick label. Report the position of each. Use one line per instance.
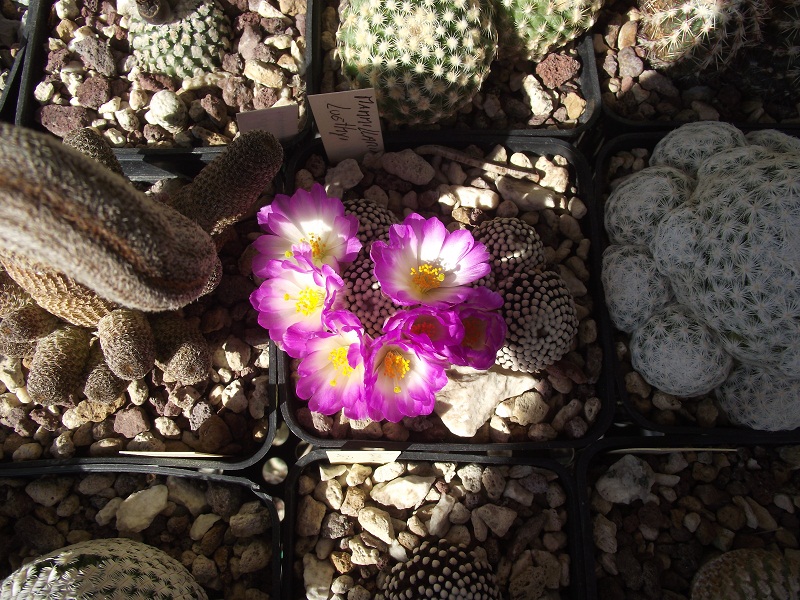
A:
(348, 123)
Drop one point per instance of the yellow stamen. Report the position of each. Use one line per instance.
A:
(339, 362)
(288, 254)
(395, 366)
(317, 247)
(309, 300)
(427, 277)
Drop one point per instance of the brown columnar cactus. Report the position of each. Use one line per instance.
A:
(84, 254)
(226, 190)
(65, 210)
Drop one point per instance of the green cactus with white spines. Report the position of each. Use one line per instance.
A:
(696, 34)
(107, 569)
(532, 28)
(425, 59)
(191, 43)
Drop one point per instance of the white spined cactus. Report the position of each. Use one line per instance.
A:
(635, 207)
(103, 569)
(634, 289)
(761, 399)
(425, 59)
(686, 147)
(730, 249)
(680, 354)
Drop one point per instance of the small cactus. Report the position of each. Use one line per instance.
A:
(748, 574)
(57, 368)
(181, 350)
(112, 569)
(189, 43)
(698, 34)
(532, 28)
(127, 342)
(425, 59)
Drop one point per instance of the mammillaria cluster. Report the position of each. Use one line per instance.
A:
(710, 232)
(424, 269)
(426, 60)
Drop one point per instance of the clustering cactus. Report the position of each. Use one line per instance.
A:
(101, 257)
(538, 309)
(729, 252)
(531, 28)
(748, 574)
(113, 569)
(190, 43)
(425, 60)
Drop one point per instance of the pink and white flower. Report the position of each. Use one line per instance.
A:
(331, 374)
(429, 328)
(294, 295)
(484, 330)
(401, 378)
(424, 263)
(307, 222)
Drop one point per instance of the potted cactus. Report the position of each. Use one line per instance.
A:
(700, 271)
(432, 64)
(163, 73)
(663, 63)
(106, 298)
(491, 304)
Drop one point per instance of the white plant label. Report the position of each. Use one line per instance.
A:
(348, 123)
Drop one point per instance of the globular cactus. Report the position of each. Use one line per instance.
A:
(100, 383)
(697, 34)
(113, 569)
(425, 59)
(30, 322)
(189, 43)
(182, 352)
(57, 368)
(127, 342)
(532, 28)
(748, 574)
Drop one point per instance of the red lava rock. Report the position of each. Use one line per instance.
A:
(96, 55)
(131, 421)
(155, 82)
(94, 91)
(57, 60)
(60, 120)
(556, 69)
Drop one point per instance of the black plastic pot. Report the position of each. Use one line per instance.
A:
(293, 588)
(686, 552)
(245, 488)
(604, 387)
(727, 433)
(144, 162)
